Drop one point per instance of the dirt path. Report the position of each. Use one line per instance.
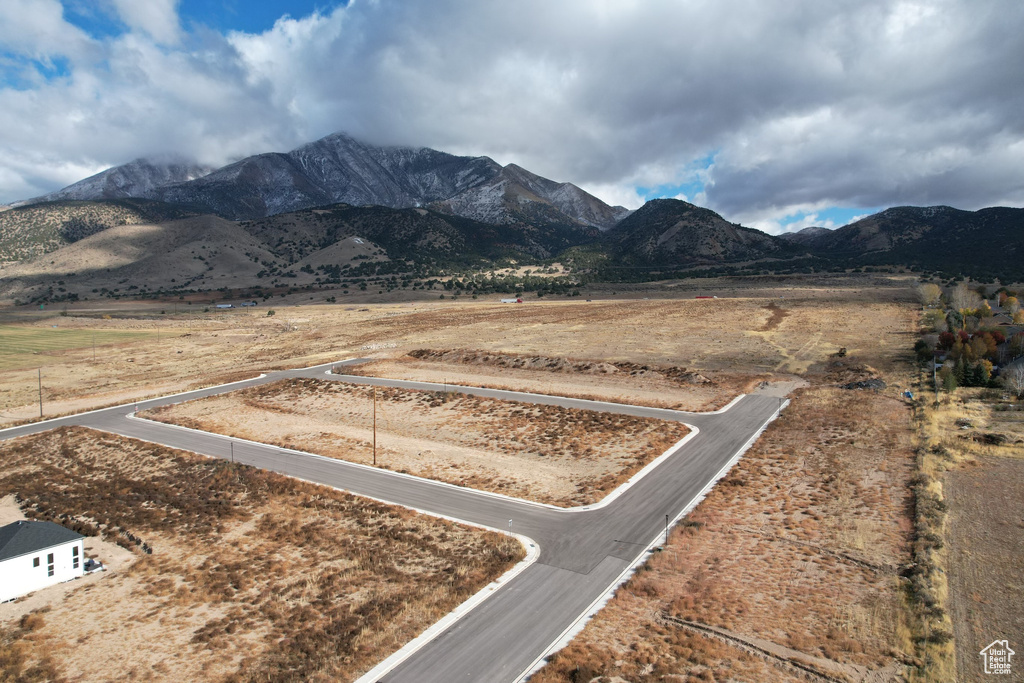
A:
(794, 661)
(985, 535)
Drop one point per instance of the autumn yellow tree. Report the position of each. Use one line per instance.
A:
(929, 293)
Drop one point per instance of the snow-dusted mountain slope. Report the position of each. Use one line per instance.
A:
(140, 178)
(340, 169)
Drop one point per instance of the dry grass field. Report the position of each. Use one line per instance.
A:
(791, 561)
(730, 341)
(252, 576)
(20, 347)
(985, 534)
(973, 456)
(622, 382)
(543, 453)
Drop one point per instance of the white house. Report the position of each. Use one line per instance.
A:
(35, 555)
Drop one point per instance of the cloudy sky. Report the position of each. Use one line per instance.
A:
(777, 115)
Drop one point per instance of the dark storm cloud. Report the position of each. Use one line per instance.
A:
(799, 106)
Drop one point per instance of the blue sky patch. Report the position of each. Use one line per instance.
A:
(250, 16)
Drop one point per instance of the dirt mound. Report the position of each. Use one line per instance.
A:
(847, 373)
(551, 364)
(875, 384)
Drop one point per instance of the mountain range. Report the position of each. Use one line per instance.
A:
(339, 205)
(338, 169)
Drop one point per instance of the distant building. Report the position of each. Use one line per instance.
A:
(225, 306)
(34, 555)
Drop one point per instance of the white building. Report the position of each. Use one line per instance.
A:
(35, 555)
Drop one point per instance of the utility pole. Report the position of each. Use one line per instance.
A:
(666, 531)
(232, 452)
(40, 370)
(375, 426)
(93, 347)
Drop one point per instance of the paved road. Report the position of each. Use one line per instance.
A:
(583, 553)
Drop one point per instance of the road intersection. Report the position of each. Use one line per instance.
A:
(584, 552)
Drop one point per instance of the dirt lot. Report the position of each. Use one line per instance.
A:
(621, 382)
(543, 453)
(792, 557)
(728, 340)
(253, 576)
(985, 532)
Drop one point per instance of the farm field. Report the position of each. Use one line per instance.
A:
(791, 561)
(975, 457)
(543, 453)
(253, 576)
(21, 347)
(984, 536)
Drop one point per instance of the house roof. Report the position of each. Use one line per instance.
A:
(22, 538)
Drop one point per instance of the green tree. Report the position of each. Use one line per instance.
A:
(949, 382)
(923, 351)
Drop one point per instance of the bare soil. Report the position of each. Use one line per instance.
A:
(985, 534)
(621, 382)
(728, 340)
(793, 556)
(543, 453)
(252, 576)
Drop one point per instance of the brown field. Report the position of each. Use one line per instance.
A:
(543, 453)
(794, 556)
(252, 576)
(621, 382)
(985, 535)
(729, 340)
(974, 458)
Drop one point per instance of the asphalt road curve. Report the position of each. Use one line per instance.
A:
(583, 552)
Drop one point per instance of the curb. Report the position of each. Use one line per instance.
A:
(604, 502)
(581, 621)
(457, 614)
(354, 379)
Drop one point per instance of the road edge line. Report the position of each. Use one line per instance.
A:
(457, 387)
(71, 416)
(604, 502)
(581, 621)
(462, 610)
(448, 620)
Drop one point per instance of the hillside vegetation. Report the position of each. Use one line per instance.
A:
(29, 231)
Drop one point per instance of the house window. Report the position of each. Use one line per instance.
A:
(35, 561)
(49, 564)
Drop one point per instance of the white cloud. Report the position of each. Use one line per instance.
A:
(36, 29)
(801, 106)
(156, 18)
